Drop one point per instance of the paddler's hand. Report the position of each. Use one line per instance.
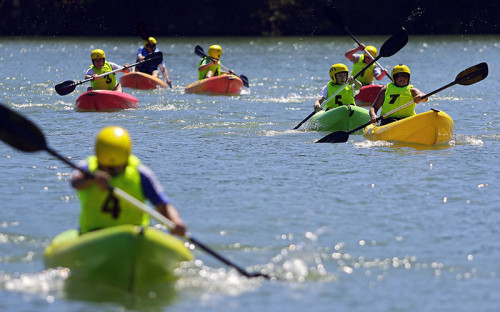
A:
(317, 104)
(361, 47)
(126, 68)
(101, 178)
(231, 72)
(382, 74)
(418, 98)
(180, 229)
(373, 118)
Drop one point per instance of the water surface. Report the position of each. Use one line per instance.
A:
(358, 226)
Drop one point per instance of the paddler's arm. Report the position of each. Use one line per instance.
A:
(205, 66)
(379, 73)
(355, 82)
(417, 95)
(169, 211)
(126, 68)
(153, 191)
(164, 72)
(81, 181)
(377, 104)
(90, 73)
(317, 104)
(350, 54)
(322, 97)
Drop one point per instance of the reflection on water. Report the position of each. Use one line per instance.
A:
(151, 298)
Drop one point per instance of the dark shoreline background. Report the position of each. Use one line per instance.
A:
(245, 17)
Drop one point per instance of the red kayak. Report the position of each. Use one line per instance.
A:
(223, 85)
(105, 101)
(367, 95)
(143, 81)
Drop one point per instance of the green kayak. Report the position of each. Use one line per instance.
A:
(125, 256)
(342, 118)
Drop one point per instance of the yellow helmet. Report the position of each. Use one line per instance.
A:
(150, 40)
(337, 68)
(215, 51)
(372, 50)
(113, 146)
(400, 69)
(97, 54)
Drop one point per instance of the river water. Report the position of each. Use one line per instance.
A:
(356, 226)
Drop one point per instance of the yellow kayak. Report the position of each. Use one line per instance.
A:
(429, 128)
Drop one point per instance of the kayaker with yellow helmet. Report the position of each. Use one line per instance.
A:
(210, 66)
(339, 75)
(361, 60)
(114, 164)
(100, 66)
(150, 68)
(396, 94)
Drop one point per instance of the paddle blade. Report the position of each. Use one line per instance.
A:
(335, 137)
(245, 80)
(472, 74)
(155, 58)
(394, 44)
(65, 87)
(199, 51)
(19, 132)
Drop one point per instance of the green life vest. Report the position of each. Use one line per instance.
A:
(368, 75)
(344, 97)
(100, 210)
(104, 83)
(396, 97)
(214, 68)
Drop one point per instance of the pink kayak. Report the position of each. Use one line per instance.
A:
(105, 101)
(138, 80)
(367, 95)
(224, 85)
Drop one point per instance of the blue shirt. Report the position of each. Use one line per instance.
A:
(148, 67)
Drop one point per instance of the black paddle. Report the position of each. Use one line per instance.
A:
(466, 77)
(199, 51)
(336, 18)
(389, 48)
(22, 134)
(69, 86)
